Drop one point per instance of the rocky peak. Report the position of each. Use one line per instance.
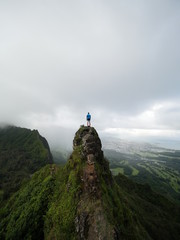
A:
(88, 139)
(90, 213)
(88, 144)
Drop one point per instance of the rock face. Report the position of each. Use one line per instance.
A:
(88, 138)
(91, 222)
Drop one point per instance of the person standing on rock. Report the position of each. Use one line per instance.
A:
(88, 117)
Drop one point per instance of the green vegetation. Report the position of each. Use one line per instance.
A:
(22, 217)
(59, 221)
(160, 170)
(47, 205)
(158, 216)
(117, 209)
(45, 208)
(22, 152)
(116, 171)
(134, 171)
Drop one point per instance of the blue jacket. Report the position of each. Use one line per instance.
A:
(88, 117)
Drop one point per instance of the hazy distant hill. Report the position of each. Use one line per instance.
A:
(146, 163)
(83, 201)
(60, 155)
(131, 147)
(22, 152)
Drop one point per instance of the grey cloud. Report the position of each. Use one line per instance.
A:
(169, 116)
(115, 59)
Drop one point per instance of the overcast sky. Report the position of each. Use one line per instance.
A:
(118, 59)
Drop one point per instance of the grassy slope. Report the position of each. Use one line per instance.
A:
(161, 171)
(23, 216)
(156, 214)
(22, 152)
(45, 208)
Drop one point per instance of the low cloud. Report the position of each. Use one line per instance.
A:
(119, 60)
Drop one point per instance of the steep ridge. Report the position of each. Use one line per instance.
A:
(22, 152)
(83, 201)
(91, 221)
(89, 203)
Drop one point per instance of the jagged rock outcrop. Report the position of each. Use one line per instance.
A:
(87, 139)
(91, 222)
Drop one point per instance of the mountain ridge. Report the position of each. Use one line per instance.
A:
(22, 152)
(82, 200)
